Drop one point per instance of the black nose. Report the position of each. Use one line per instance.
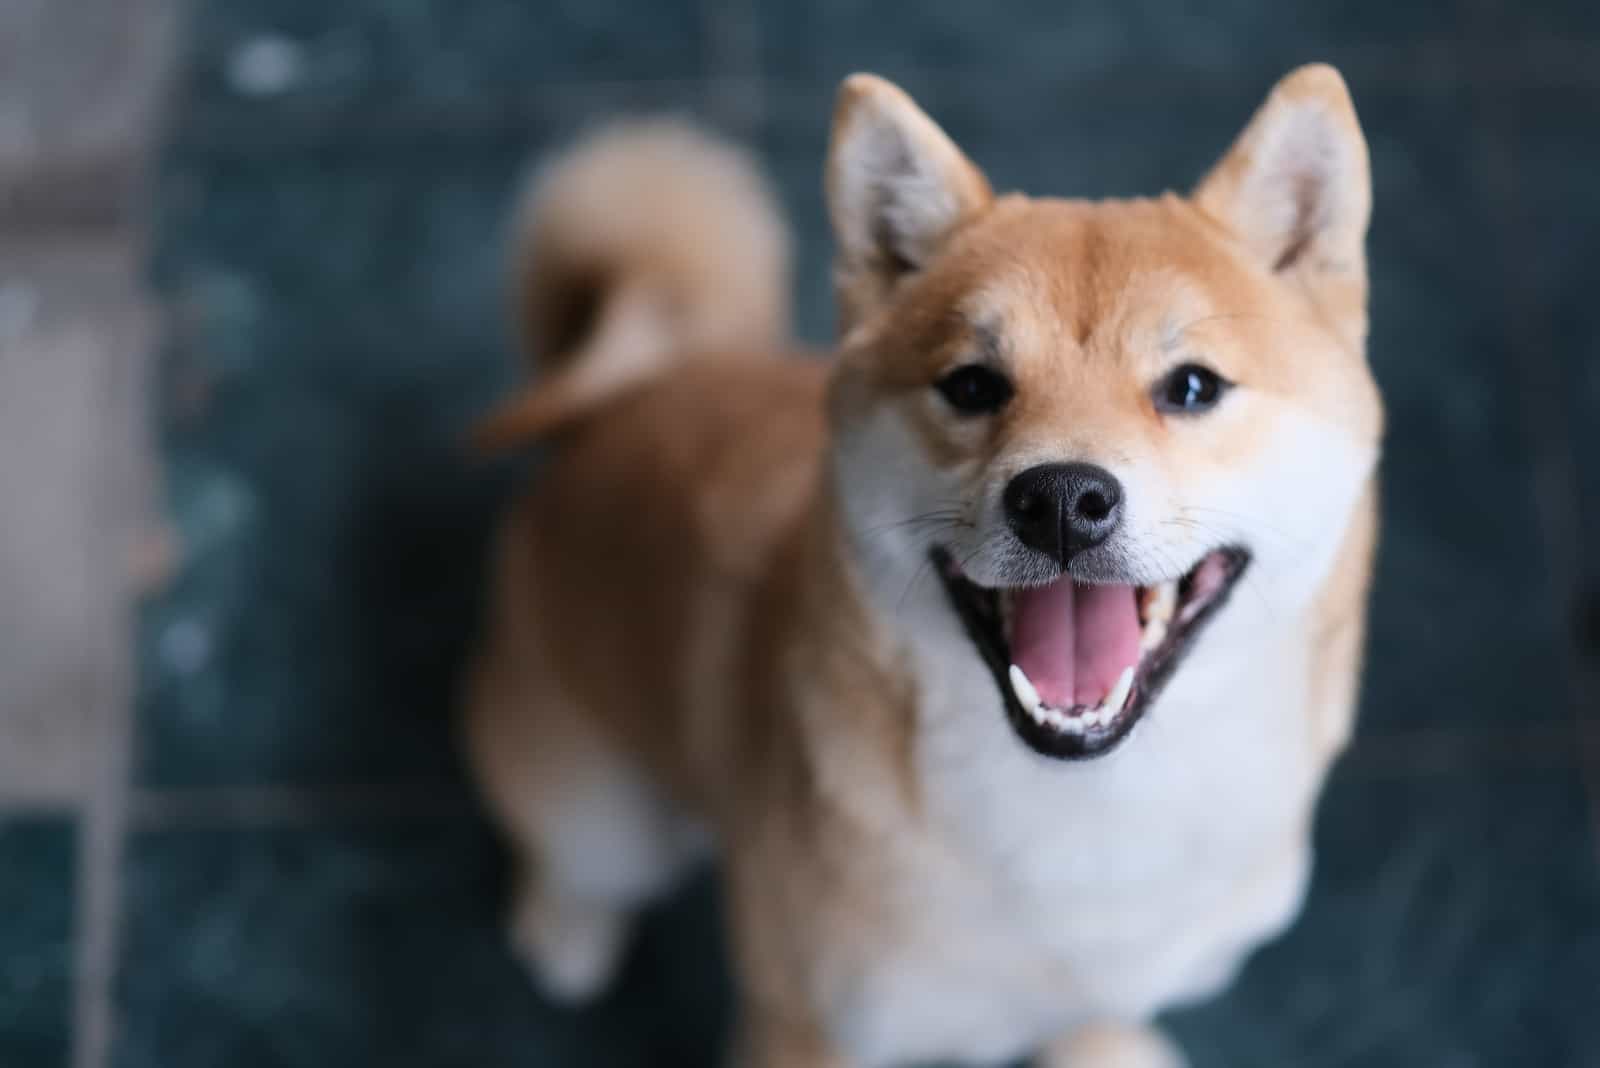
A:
(1063, 509)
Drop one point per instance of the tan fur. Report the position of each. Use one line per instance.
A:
(708, 615)
(650, 242)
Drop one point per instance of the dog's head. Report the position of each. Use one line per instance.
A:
(1092, 420)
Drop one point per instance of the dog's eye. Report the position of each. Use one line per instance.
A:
(975, 389)
(1189, 389)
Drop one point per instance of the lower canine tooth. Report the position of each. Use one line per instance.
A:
(1024, 689)
(1119, 693)
(1159, 601)
(1154, 633)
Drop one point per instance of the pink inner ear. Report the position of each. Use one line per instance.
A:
(1296, 181)
(1295, 184)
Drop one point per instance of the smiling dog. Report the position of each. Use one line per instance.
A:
(1001, 658)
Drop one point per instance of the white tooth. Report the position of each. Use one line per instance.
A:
(1024, 690)
(1119, 693)
(1160, 601)
(1154, 633)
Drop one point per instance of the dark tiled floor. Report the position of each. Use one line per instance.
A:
(1555, 216)
(439, 58)
(329, 245)
(1447, 956)
(834, 37)
(314, 463)
(1457, 491)
(377, 945)
(37, 892)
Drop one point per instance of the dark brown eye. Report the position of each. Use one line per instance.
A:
(975, 389)
(1190, 390)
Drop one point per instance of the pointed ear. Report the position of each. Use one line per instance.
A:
(1296, 187)
(897, 187)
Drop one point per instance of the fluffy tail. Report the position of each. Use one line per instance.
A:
(648, 242)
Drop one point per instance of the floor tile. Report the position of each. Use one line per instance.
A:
(81, 87)
(429, 56)
(374, 946)
(313, 404)
(1465, 624)
(1452, 921)
(338, 321)
(834, 37)
(37, 895)
(792, 146)
(72, 327)
(1543, 143)
(1522, 28)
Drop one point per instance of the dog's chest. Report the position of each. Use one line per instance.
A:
(975, 976)
(949, 984)
(1075, 891)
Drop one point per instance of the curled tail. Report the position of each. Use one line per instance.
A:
(646, 243)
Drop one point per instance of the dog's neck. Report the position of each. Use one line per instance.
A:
(850, 672)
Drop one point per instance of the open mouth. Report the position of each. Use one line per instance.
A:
(1078, 664)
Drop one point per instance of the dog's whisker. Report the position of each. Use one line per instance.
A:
(938, 515)
(1255, 523)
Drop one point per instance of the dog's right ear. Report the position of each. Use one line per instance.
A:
(897, 188)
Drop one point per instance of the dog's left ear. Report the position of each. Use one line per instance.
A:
(1297, 190)
(897, 188)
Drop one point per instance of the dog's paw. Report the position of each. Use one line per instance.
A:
(573, 948)
(1114, 1046)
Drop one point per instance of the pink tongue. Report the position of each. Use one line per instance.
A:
(1074, 641)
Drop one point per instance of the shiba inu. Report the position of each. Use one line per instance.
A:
(1002, 656)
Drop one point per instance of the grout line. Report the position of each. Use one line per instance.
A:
(82, 195)
(132, 475)
(99, 886)
(1557, 482)
(24, 807)
(98, 883)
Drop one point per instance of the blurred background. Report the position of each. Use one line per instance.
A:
(250, 294)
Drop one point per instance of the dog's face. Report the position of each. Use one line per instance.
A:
(1092, 421)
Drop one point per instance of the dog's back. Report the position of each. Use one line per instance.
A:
(647, 533)
(684, 443)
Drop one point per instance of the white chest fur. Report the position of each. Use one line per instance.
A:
(1064, 892)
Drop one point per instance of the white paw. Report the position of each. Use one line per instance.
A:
(1112, 1046)
(573, 948)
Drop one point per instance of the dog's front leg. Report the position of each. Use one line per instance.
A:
(1112, 1046)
